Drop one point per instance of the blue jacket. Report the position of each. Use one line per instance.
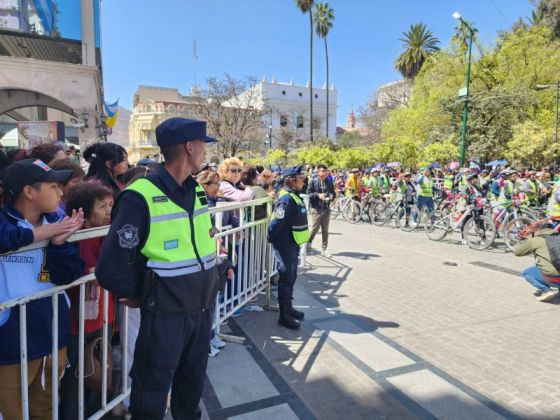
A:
(59, 264)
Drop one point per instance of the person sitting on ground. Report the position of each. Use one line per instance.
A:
(96, 201)
(35, 193)
(543, 275)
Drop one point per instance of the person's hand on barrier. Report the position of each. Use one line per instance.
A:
(322, 196)
(44, 232)
(230, 273)
(71, 225)
(131, 303)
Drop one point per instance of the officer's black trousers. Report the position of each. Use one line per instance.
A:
(171, 351)
(287, 257)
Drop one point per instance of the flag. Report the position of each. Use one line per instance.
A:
(112, 111)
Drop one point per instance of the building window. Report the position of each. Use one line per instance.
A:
(283, 92)
(316, 124)
(300, 94)
(316, 96)
(300, 121)
(283, 120)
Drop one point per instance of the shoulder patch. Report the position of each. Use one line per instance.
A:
(128, 236)
(279, 213)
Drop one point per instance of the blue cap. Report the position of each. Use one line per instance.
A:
(181, 130)
(291, 171)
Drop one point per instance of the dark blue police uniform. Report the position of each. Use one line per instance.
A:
(289, 217)
(173, 340)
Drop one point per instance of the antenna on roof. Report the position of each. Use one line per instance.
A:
(194, 62)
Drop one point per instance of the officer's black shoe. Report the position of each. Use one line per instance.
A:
(286, 320)
(296, 314)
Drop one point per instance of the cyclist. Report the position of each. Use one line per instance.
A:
(353, 184)
(386, 180)
(426, 188)
(470, 193)
(532, 188)
(375, 184)
(448, 180)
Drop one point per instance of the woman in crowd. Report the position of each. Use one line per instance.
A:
(108, 162)
(266, 181)
(249, 178)
(96, 201)
(48, 152)
(77, 177)
(231, 187)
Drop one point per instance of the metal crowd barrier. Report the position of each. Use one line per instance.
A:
(250, 253)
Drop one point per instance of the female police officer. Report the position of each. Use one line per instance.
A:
(159, 255)
(287, 231)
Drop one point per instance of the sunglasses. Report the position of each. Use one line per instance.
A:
(235, 171)
(212, 183)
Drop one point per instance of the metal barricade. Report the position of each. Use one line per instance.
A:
(250, 252)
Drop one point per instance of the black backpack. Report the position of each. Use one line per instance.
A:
(553, 245)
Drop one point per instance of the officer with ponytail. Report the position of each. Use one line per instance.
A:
(287, 231)
(160, 255)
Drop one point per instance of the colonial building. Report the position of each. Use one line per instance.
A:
(151, 106)
(286, 112)
(50, 66)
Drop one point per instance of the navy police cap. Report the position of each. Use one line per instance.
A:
(291, 171)
(181, 130)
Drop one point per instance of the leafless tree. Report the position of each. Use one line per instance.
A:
(231, 108)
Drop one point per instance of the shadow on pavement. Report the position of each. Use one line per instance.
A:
(358, 255)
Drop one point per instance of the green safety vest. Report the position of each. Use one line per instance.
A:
(300, 227)
(426, 187)
(169, 247)
(553, 205)
(448, 181)
(533, 190)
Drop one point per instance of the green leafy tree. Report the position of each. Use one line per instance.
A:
(531, 145)
(419, 44)
(324, 18)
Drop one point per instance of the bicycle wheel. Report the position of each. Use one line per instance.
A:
(335, 208)
(480, 233)
(512, 230)
(411, 220)
(439, 226)
(378, 213)
(353, 211)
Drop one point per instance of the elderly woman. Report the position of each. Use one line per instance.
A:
(230, 186)
(210, 181)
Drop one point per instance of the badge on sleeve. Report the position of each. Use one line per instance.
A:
(128, 236)
(279, 213)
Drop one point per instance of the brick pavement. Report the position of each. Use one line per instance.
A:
(478, 344)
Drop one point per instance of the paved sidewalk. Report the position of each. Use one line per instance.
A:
(392, 331)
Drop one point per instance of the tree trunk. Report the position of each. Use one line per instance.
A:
(327, 62)
(310, 76)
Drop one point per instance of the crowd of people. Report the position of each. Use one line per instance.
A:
(158, 260)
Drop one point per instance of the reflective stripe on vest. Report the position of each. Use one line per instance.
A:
(169, 248)
(426, 187)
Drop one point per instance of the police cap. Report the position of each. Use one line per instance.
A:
(181, 130)
(291, 171)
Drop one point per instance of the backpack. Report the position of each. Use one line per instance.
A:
(553, 245)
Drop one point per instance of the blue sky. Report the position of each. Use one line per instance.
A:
(150, 42)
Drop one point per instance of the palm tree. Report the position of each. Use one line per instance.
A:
(419, 44)
(461, 37)
(324, 17)
(306, 6)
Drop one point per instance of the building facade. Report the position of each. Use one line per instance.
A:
(286, 111)
(50, 66)
(151, 106)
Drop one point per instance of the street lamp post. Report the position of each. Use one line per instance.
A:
(457, 16)
(556, 86)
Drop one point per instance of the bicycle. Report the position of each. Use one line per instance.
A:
(478, 229)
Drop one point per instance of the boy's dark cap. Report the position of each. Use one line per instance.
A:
(30, 171)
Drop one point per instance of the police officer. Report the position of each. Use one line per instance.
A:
(159, 255)
(287, 231)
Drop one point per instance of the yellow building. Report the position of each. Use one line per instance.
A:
(151, 106)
